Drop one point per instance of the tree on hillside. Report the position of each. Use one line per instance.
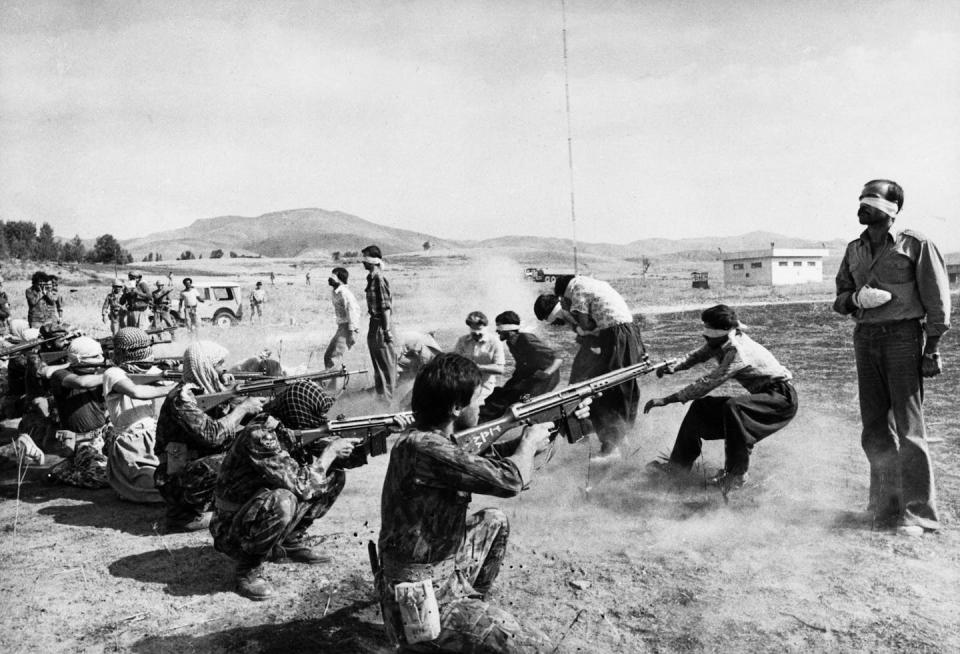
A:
(335, 255)
(233, 255)
(186, 254)
(4, 250)
(427, 245)
(149, 257)
(21, 236)
(644, 266)
(216, 254)
(106, 249)
(47, 248)
(74, 250)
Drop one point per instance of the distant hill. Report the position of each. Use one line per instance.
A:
(315, 233)
(292, 233)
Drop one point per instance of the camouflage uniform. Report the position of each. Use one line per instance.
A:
(114, 310)
(83, 426)
(267, 494)
(426, 533)
(160, 306)
(193, 443)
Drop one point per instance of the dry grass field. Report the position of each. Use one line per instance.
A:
(789, 565)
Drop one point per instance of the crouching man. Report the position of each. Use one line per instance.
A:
(270, 490)
(191, 442)
(436, 562)
(742, 420)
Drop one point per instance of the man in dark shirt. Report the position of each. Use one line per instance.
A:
(379, 336)
(895, 287)
(113, 309)
(137, 300)
(428, 544)
(191, 443)
(536, 367)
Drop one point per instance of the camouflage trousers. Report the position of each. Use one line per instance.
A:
(188, 493)
(272, 517)
(467, 622)
(87, 467)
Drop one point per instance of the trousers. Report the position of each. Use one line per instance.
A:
(894, 434)
(741, 421)
(268, 519)
(384, 359)
(468, 623)
(189, 493)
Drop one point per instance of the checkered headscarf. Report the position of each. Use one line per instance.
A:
(200, 365)
(130, 345)
(302, 405)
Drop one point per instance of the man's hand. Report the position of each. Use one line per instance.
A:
(668, 369)
(338, 448)
(931, 364)
(655, 402)
(401, 422)
(537, 437)
(351, 337)
(582, 412)
(252, 405)
(871, 298)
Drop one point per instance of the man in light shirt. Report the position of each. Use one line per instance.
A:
(484, 350)
(257, 299)
(347, 312)
(189, 299)
(741, 420)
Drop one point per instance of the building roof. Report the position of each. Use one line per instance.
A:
(775, 253)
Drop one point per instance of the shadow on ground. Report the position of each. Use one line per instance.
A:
(188, 570)
(349, 630)
(106, 512)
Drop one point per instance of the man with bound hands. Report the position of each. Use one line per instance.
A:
(895, 286)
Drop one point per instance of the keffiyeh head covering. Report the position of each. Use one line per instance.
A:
(302, 405)
(130, 345)
(200, 362)
(84, 351)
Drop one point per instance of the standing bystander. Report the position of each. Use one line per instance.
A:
(257, 299)
(379, 337)
(189, 298)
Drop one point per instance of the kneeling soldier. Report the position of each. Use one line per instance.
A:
(742, 420)
(436, 562)
(191, 443)
(270, 491)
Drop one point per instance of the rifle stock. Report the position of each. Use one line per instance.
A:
(270, 386)
(556, 406)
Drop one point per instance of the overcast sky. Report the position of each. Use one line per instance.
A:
(689, 118)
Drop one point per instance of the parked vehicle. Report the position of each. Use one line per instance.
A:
(222, 305)
(538, 275)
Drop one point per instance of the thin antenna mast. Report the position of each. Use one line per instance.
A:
(566, 90)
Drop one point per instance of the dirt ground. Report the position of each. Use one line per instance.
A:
(789, 565)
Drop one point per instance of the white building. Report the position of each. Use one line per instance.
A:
(773, 267)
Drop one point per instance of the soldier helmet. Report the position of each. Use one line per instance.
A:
(161, 283)
(884, 189)
(118, 283)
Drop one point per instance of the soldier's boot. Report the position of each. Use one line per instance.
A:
(251, 582)
(298, 552)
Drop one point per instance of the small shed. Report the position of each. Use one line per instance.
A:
(700, 280)
(953, 272)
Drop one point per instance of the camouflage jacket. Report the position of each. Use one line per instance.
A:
(182, 421)
(113, 304)
(427, 489)
(261, 458)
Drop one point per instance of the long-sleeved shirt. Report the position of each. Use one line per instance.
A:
(182, 421)
(112, 304)
(597, 299)
(740, 358)
(345, 306)
(486, 351)
(260, 458)
(530, 354)
(426, 491)
(139, 297)
(908, 266)
(379, 298)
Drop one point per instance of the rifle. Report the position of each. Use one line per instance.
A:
(556, 406)
(373, 430)
(270, 386)
(177, 375)
(106, 342)
(29, 345)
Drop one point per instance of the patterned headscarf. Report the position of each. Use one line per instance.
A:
(131, 345)
(302, 405)
(200, 365)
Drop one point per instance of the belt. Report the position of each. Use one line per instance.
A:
(889, 324)
(397, 570)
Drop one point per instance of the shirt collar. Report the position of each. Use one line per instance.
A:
(892, 235)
